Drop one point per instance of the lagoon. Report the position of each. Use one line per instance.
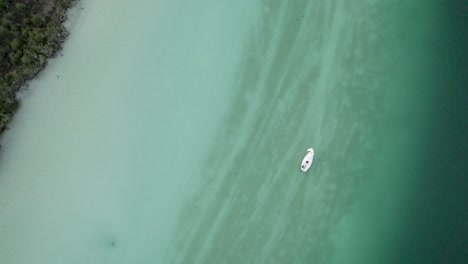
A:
(173, 131)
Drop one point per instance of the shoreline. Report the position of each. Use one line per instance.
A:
(34, 33)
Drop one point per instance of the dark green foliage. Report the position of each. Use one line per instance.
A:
(20, 7)
(15, 44)
(30, 32)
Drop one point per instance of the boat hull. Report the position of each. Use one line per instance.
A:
(308, 159)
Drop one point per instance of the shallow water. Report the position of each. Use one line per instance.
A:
(172, 132)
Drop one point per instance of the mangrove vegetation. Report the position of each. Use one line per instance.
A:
(31, 32)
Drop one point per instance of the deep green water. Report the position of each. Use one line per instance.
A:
(173, 131)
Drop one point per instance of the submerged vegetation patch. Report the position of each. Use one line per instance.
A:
(31, 32)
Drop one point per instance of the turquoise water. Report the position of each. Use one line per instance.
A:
(173, 131)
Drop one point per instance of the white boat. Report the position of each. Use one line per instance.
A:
(308, 159)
